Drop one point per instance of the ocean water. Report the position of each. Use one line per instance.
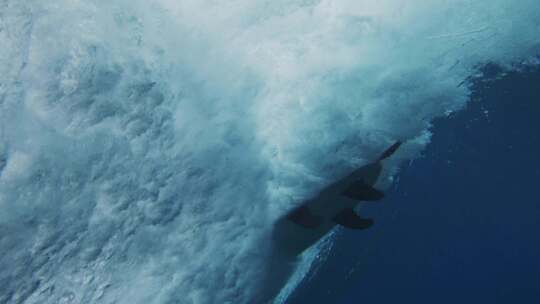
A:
(146, 147)
(461, 224)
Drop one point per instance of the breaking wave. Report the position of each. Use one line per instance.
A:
(146, 147)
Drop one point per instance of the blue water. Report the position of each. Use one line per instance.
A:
(462, 225)
(147, 147)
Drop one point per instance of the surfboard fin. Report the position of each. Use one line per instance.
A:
(349, 219)
(303, 217)
(360, 190)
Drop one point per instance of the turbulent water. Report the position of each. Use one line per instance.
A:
(146, 147)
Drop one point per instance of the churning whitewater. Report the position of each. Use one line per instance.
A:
(147, 147)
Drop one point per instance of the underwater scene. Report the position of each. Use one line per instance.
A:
(257, 151)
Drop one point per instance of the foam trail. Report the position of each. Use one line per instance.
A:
(146, 147)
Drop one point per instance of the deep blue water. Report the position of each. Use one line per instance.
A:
(462, 225)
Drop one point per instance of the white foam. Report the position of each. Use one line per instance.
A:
(18, 165)
(166, 136)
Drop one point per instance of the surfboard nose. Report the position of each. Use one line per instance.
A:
(391, 150)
